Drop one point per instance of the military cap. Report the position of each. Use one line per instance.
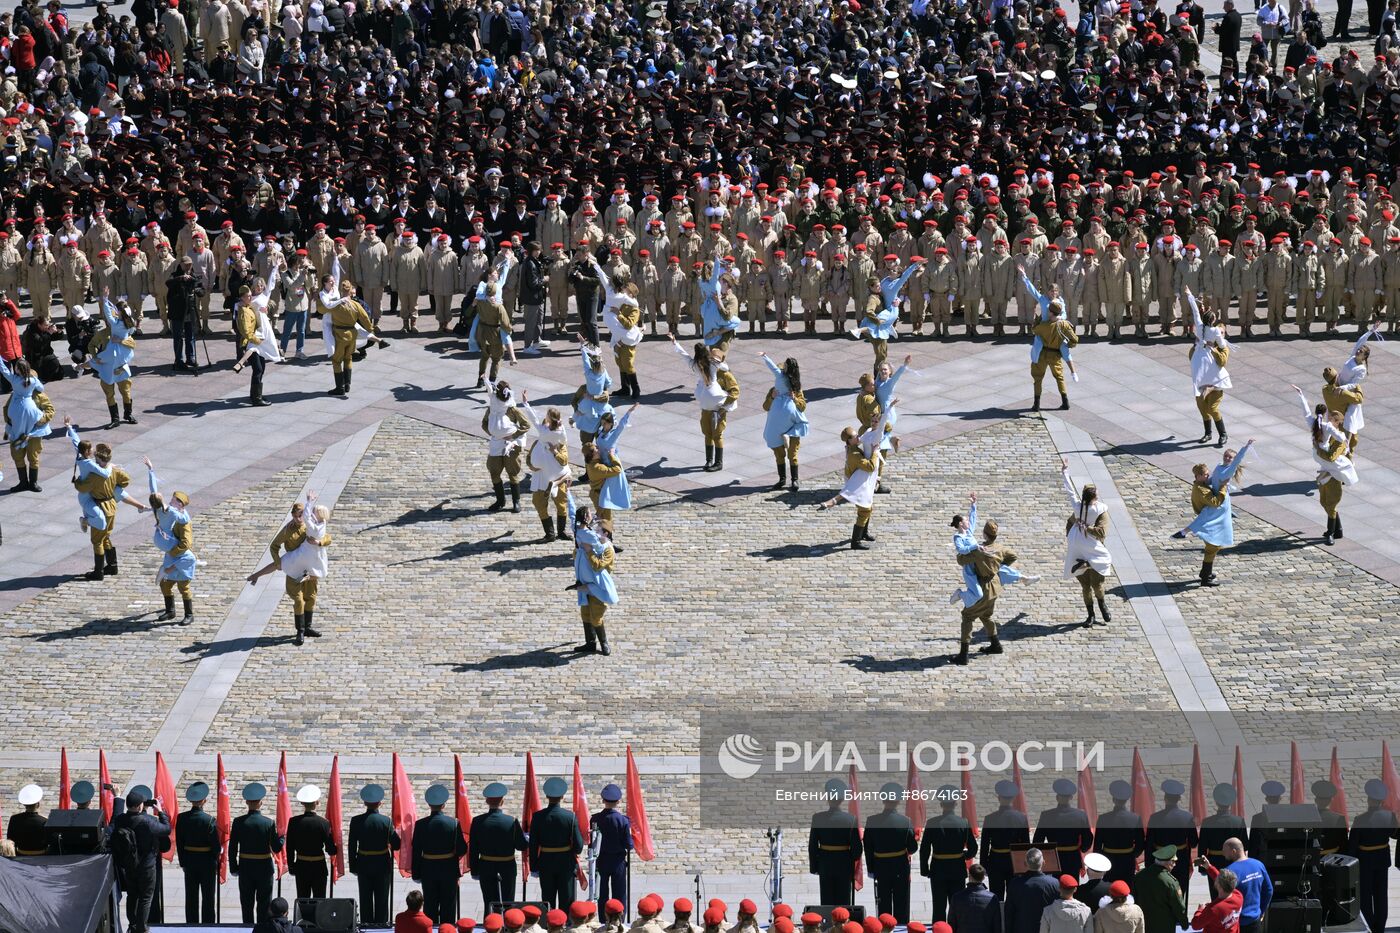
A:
(141, 793)
(891, 789)
(835, 786)
(1272, 789)
(196, 792)
(436, 795)
(1063, 787)
(1223, 794)
(308, 793)
(612, 793)
(556, 787)
(1376, 790)
(1120, 790)
(254, 792)
(1007, 789)
(82, 792)
(1324, 789)
(1173, 788)
(1097, 861)
(1163, 853)
(372, 793)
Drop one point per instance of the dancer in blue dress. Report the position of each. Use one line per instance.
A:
(1050, 350)
(719, 311)
(880, 322)
(593, 564)
(591, 401)
(85, 465)
(28, 412)
(786, 423)
(965, 542)
(174, 538)
(1215, 523)
(113, 348)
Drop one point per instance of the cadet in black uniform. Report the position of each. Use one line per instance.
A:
(1119, 835)
(496, 837)
(82, 794)
(614, 846)
(370, 850)
(833, 847)
(197, 845)
(1221, 825)
(438, 844)
(1273, 794)
(1001, 829)
(251, 843)
(26, 829)
(1065, 828)
(1369, 844)
(555, 844)
(947, 846)
(1334, 825)
(309, 842)
(1173, 826)
(1095, 886)
(889, 841)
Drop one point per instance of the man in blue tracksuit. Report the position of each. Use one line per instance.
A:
(1253, 883)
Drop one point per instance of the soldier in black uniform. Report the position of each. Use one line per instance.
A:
(947, 846)
(370, 850)
(1273, 793)
(496, 837)
(251, 844)
(833, 847)
(1065, 828)
(1334, 826)
(555, 844)
(1173, 826)
(889, 841)
(1095, 886)
(1118, 834)
(1369, 844)
(438, 846)
(26, 828)
(1001, 829)
(309, 842)
(82, 794)
(1220, 825)
(197, 845)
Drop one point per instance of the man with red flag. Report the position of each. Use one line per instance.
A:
(1065, 828)
(1369, 844)
(833, 846)
(1334, 825)
(371, 846)
(438, 846)
(309, 843)
(1119, 834)
(253, 841)
(1173, 826)
(197, 845)
(614, 835)
(1001, 829)
(948, 844)
(555, 844)
(496, 837)
(1221, 825)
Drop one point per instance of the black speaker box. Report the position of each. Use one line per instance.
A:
(326, 914)
(1295, 915)
(73, 832)
(1340, 888)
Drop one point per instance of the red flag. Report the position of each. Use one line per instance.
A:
(582, 815)
(969, 804)
(1087, 801)
(284, 814)
(531, 804)
(1198, 786)
(1020, 792)
(637, 812)
(223, 821)
(165, 796)
(403, 813)
(65, 797)
(914, 803)
(860, 827)
(334, 818)
(1339, 802)
(1144, 802)
(1296, 780)
(104, 777)
(1388, 775)
(461, 808)
(1239, 807)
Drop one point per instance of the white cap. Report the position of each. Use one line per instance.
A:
(30, 794)
(1097, 861)
(309, 793)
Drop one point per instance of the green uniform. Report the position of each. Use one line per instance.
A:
(833, 848)
(948, 845)
(889, 841)
(1218, 827)
(438, 846)
(251, 844)
(370, 850)
(496, 837)
(555, 843)
(197, 845)
(1156, 891)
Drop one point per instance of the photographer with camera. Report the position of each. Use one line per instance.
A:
(1222, 913)
(138, 838)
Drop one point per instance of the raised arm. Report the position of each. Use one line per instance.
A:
(1223, 478)
(72, 434)
(152, 482)
(1303, 399)
(772, 366)
(905, 276)
(1034, 292)
(609, 440)
(1372, 331)
(720, 270)
(1196, 324)
(1070, 491)
(680, 351)
(5, 372)
(609, 293)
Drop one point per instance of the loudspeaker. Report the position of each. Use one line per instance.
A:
(1340, 888)
(824, 911)
(326, 914)
(1292, 816)
(1296, 915)
(500, 907)
(73, 832)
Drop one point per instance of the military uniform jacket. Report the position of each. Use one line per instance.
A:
(1156, 891)
(1218, 827)
(1066, 828)
(555, 839)
(1173, 826)
(251, 843)
(371, 844)
(1119, 834)
(889, 841)
(495, 838)
(26, 830)
(1334, 832)
(309, 841)
(833, 841)
(1004, 827)
(947, 845)
(197, 841)
(1370, 837)
(614, 835)
(438, 844)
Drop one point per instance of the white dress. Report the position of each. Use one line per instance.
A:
(1206, 373)
(1080, 546)
(860, 485)
(545, 470)
(1353, 374)
(1341, 469)
(612, 300)
(308, 559)
(499, 427)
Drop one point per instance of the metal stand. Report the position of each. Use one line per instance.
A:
(775, 865)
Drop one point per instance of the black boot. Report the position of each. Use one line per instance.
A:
(1220, 436)
(339, 390)
(98, 569)
(33, 482)
(23, 480)
(993, 646)
(349, 373)
(189, 612)
(1336, 521)
(126, 413)
(1035, 406)
(590, 641)
(561, 530)
(111, 568)
(169, 612)
(1330, 533)
(500, 503)
(300, 639)
(782, 476)
(514, 496)
(865, 533)
(306, 625)
(548, 529)
(792, 471)
(858, 539)
(603, 647)
(1064, 403)
(1205, 431)
(1207, 573)
(719, 460)
(112, 410)
(636, 388)
(1103, 611)
(709, 458)
(1089, 619)
(960, 658)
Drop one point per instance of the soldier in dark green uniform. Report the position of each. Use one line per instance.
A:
(1369, 844)
(1221, 825)
(26, 829)
(1119, 834)
(1273, 793)
(496, 837)
(555, 843)
(82, 793)
(947, 846)
(197, 845)
(1001, 829)
(251, 843)
(889, 841)
(1174, 826)
(438, 845)
(1065, 827)
(833, 846)
(370, 849)
(309, 843)
(1156, 891)
(1334, 826)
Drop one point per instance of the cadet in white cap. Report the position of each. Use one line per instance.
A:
(26, 829)
(1095, 886)
(309, 842)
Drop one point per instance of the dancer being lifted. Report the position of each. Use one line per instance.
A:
(965, 542)
(1334, 468)
(717, 392)
(1208, 373)
(299, 551)
(622, 313)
